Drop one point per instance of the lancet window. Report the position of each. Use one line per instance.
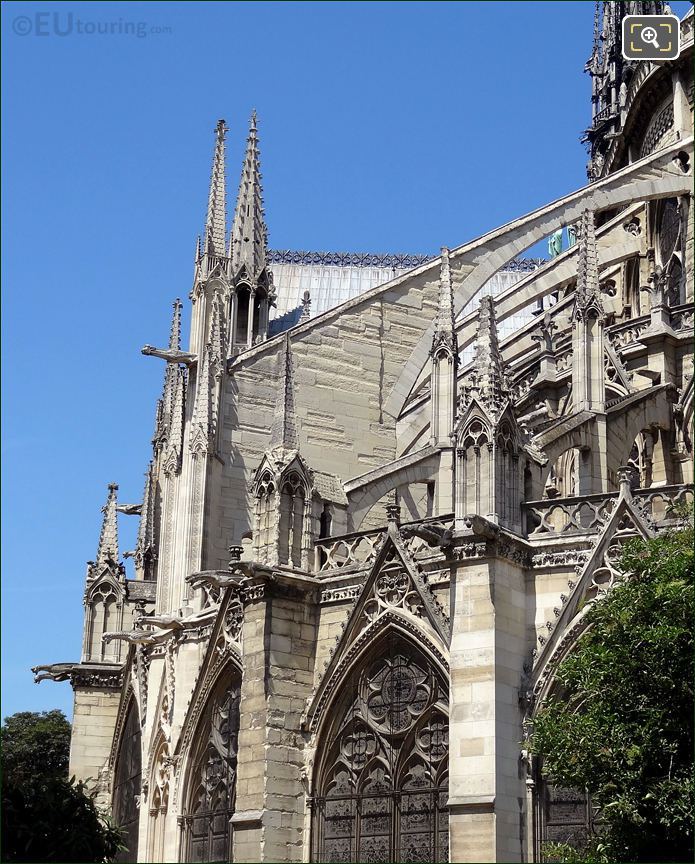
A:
(292, 519)
(265, 517)
(382, 784)
(211, 783)
(126, 784)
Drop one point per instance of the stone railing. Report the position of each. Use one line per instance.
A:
(628, 332)
(587, 514)
(357, 550)
(347, 551)
(657, 503)
(580, 514)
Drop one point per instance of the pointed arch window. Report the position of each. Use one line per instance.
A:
(382, 783)
(127, 782)
(212, 780)
(293, 495)
(265, 517)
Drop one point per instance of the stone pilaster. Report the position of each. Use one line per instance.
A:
(279, 640)
(487, 798)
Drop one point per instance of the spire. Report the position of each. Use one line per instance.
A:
(283, 433)
(444, 327)
(489, 369)
(588, 295)
(144, 548)
(249, 236)
(107, 552)
(216, 221)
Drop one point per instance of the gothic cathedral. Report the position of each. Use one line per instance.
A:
(371, 530)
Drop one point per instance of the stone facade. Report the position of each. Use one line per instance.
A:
(367, 541)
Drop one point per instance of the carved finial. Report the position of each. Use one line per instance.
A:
(216, 221)
(393, 513)
(628, 479)
(107, 553)
(543, 334)
(444, 328)
(283, 433)
(306, 307)
(249, 236)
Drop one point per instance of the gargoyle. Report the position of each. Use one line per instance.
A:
(214, 579)
(250, 569)
(134, 637)
(433, 533)
(482, 527)
(129, 509)
(170, 355)
(165, 622)
(52, 672)
(239, 572)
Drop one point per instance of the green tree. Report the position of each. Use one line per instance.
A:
(47, 816)
(621, 725)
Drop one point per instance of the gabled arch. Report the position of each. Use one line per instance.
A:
(380, 781)
(209, 776)
(390, 623)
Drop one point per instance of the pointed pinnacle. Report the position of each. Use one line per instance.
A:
(489, 368)
(175, 436)
(249, 235)
(445, 313)
(108, 539)
(201, 409)
(216, 221)
(145, 538)
(217, 338)
(588, 292)
(171, 370)
(175, 332)
(283, 432)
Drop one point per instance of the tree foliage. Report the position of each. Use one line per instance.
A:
(621, 723)
(47, 816)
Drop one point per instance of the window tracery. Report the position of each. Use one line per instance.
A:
(210, 802)
(127, 782)
(382, 788)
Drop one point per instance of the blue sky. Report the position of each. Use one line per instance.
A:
(384, 127)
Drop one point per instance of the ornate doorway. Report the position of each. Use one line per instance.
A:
(382, 784)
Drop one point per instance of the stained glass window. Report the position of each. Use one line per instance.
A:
(210, 802)
(382, 789)
(126, 785)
